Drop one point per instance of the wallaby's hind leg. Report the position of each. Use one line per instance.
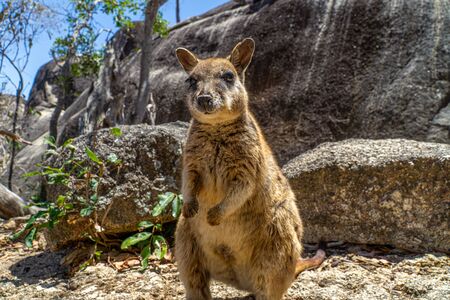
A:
(275, 287)
(193, 273)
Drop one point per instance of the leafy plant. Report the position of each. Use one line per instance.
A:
(79, 178)
(150, 240)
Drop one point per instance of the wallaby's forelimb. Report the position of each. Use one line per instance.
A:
(191, 186)
(239, 190)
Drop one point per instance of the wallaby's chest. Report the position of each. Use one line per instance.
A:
(215, 155)
(213, 164)
(217, 158)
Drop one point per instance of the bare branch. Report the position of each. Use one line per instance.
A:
(14, 137)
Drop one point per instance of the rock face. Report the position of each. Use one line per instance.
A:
(393, 192)
(151, 164)
(322, 70)
(48, 75)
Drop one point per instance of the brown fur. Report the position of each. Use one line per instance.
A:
(239, 224)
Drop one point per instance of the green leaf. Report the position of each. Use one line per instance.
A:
(98, 254)
(92, 156)
(87, 211)
(158, 227)
(31, 174)
(50, 170)
(144, 225)
(160, 246)
(54, 178)
(164, 200)
(60, 200)
(52, 152)
(67, 143)
(68, 206)
(30, 238)
(145, 254)
(116, 131)
(134, 239)
(161, 26)
(94, 198)
(176, 206)
(49, 140)
(53, 215)
(28, 225)
(71, 147)
(84, 265)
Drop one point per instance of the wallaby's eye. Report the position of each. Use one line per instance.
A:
(228, 76)
(192, 83)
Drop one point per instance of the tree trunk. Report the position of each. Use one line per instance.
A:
(12, 205)
(63, 102)
(144, 94)
(177, 11)
(100, 97)
(16, 112)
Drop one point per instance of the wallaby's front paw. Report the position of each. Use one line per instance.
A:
(190, 208)
(214, 216)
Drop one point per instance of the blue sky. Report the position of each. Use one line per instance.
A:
(40, 53)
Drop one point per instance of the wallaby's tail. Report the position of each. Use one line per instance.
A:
(313, 262)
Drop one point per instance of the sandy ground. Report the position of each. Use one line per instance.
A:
(350, 272)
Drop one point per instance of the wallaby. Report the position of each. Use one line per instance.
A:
(240, 223)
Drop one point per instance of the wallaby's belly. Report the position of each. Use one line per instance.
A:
(226, 248)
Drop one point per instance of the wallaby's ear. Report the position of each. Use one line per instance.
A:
(187, 59)
(241, 56)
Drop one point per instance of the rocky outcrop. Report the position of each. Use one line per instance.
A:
(151, 165)
(46, 84)
(394, 192)
(322, 70)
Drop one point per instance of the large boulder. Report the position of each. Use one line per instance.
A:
(151, 165)
(394, 192)
(12, 205)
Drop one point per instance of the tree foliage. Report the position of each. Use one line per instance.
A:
(79, 48)
(83, 32)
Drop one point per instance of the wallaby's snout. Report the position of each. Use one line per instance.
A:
(205, 103)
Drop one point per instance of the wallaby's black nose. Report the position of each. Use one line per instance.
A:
(205, 101)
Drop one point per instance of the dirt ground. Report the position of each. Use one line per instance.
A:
(349, 272)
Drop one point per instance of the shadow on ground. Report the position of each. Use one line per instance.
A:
(38, 268)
